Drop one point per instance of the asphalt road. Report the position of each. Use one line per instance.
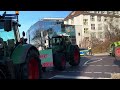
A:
(91, 67)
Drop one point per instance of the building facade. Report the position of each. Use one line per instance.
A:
(38, 32)
(90, 24)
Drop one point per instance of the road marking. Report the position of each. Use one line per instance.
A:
(70, 77)
(98, 65)
(97, 72)
(106, 65)
(107, 72)
(86, 62)
(95, 61)
(114, 65)
(88, 72)
(75, 77)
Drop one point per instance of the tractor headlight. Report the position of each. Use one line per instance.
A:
(1, 43)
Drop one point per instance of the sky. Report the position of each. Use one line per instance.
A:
(28, 18)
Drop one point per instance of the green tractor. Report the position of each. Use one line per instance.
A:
(18, 60)
(115, 50)
(63, 51)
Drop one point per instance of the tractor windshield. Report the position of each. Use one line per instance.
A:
(6, 35)
(56, 41)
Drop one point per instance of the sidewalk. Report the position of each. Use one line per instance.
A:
(100, 54)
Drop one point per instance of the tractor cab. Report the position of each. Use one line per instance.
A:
(60, 39)
(59, 42)
(9, 34)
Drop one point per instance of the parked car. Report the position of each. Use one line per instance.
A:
(84, 51)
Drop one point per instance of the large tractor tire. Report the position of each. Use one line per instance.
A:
(74, 56)
(32, 68)
(59, 61)
(117, 53)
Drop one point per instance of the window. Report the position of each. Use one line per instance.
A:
(85, 21)
(45, 41)
(93, 34)
(110, 12)
(99, 18)
(93, 26)
(104, 12)
(72, 21)
(85, 30)
(78, 34)
(99, 12)
(100, 35)
(92, 18)
(99, 26)
(105, 19)
(116, 12)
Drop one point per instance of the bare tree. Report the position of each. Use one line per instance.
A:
(112, 30)
(39, 38)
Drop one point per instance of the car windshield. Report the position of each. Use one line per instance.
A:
(6, 35)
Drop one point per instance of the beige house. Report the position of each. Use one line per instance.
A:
(90, 24)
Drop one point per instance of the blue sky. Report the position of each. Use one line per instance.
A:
(28, 18)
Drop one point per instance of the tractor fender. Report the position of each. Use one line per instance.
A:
(69, 47)
(20, 52)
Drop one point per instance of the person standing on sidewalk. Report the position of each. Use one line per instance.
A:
(90, 50)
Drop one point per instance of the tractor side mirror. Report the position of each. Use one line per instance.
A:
(8, 25)
(23, 33)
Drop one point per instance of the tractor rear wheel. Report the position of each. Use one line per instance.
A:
(59, 61)
(74, 56)
(32, 68)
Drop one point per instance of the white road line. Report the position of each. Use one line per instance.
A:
(114, 65)
(87, 72)
(106, 65)
(95, 61)
(98, 65)
(70, 77)
(86, 62)
(97, 72)
(107, 72)
(75, 77)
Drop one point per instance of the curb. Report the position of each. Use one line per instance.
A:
(101, 54)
